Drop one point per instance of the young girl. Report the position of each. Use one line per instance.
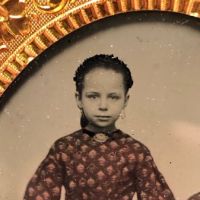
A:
(99, 161)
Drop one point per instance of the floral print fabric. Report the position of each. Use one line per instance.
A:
(112, 170)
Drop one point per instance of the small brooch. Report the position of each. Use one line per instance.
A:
(100, 137)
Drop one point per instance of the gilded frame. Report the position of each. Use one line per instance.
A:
(27, 28)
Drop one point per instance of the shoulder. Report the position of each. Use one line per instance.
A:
(135, 144)
(137, 150)
(66, 142)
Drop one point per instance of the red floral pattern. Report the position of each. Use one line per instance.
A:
(113, 170)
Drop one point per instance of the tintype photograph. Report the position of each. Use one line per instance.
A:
(108, 112)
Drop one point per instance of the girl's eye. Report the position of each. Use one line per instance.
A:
(92, 96)
(114, 97)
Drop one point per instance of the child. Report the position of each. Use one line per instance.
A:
(99, 161)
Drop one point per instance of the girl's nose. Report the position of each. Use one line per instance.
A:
(103, 104)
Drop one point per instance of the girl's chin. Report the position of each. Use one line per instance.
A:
(103, 125)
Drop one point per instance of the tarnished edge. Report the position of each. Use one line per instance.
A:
(76, 18)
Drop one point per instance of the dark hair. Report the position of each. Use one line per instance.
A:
(102, 61)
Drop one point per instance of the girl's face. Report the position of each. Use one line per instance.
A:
(103, 97)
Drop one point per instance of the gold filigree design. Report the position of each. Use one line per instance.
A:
(52, 25)
(12, 21)
(52, 6)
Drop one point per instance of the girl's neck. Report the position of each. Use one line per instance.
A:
(96, 129)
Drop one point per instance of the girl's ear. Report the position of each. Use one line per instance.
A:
(78, 100)
(126, 100)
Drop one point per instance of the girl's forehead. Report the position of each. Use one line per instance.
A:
(103, 78)
(102, 73)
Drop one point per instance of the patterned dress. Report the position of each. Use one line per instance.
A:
(115, 169)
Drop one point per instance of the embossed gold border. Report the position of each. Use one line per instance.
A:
(29, 27)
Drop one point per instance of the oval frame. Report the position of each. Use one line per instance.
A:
(58, 21)
(43, 24)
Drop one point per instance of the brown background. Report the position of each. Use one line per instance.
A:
(162, 51)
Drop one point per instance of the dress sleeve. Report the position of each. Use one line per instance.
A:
(150, 183)
(47, 181)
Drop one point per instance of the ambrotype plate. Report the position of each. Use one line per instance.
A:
(37, 90)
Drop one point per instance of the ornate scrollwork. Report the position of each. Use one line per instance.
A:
(57, 19)
(12, 21)
(51, 6)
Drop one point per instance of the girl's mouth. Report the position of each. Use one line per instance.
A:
(102, 116)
